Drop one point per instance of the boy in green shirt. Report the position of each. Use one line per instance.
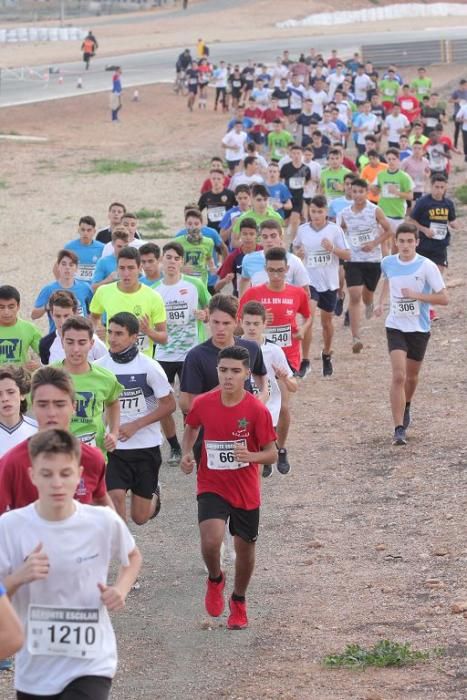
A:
(128, 294)
(389, 89)
(278, 140)
(97, 389)
(16, 335)
(332, 177)
(421, 85)
(395, 188)
(259, 212)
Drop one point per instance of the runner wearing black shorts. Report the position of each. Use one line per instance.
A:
(238, 436)
(147, 398)
(366, 228)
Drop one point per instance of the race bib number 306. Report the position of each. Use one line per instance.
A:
(406, 307)
(64, 631)
(220, 455)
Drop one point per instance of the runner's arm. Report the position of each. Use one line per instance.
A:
(11, 631)
(166, 406)
(113, 597)
(189, 438)
(267, 455)
(386, 233)
(185, 401)
(158, 334)
(243, 286)
(424, 229)
(440, 298)
(112, 417)
(38, 312)
(382, 297)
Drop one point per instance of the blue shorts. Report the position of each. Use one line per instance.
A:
(326, 300)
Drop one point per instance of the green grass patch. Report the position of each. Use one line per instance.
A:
(461, 194)
(105, 166)
(144, 214)
(384, 653)
(3, 185)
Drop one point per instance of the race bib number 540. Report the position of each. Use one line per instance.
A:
(54, 631)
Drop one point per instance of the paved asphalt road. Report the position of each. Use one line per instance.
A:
(158, 66)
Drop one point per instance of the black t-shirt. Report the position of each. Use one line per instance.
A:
(236, 83)
(192, 76)
(200, 367)
(248, 74)
(320, 153)
(283, 97)
(104, 235)
(216, 204)
(431, 117)
(295, 179)
(434, 214)
(45, 344)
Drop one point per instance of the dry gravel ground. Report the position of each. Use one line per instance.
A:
(352, 538)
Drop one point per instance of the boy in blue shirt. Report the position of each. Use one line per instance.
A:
(86, 248)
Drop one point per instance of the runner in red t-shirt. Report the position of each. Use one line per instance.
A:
(53, 404)
(410, 106)
(217, 164)
(282, 303)
(238, 436)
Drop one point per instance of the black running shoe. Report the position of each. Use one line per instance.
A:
(327, 365)
(346, 319)
(339, 308)
(283, 466)
(399, 436)
(305, 368)
(267, 471)
(406, 419)
(157, 493)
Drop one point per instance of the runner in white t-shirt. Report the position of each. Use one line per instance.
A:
(321, 245)
(15, 385)
(365, 228)
(146, 399)
(413, 284)
(54, 562)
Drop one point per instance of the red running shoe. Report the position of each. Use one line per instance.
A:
(214, 599)
(238, 619)
(433, 315)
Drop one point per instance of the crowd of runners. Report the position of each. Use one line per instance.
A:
(327, 202)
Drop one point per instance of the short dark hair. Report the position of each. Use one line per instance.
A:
(259, 190)
(64, 253)
(53, 442)
(334, 152)
(129, 215)
(193, 212)
(52, 376)
(372, 153)
(117, 204)
(224, 302)
(350, 176)
(21, 377)
(438, 177)
(254, 308)
(248, 222)
(177, 247)
(64, 299)
(405, 227)
(393, 152)
(89, 220)
(150, 249)
(276, 254)
(360, 182)
(242, 188)
(129, 253)
(249, 160)
(235, 352)
(126, 320)
(78, 323)
(319, 201)
(7, 292)
(271, 223)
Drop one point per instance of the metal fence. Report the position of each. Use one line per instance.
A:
(418, 53)
(35, 10)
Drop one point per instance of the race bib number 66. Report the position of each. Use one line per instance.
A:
(54, 631)
(220, 455)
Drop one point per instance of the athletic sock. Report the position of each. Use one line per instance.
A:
(238, 598)
(399, 426)
(407, 404)
(218, 579)
(173, 442)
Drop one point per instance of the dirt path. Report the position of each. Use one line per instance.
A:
(350, 539)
